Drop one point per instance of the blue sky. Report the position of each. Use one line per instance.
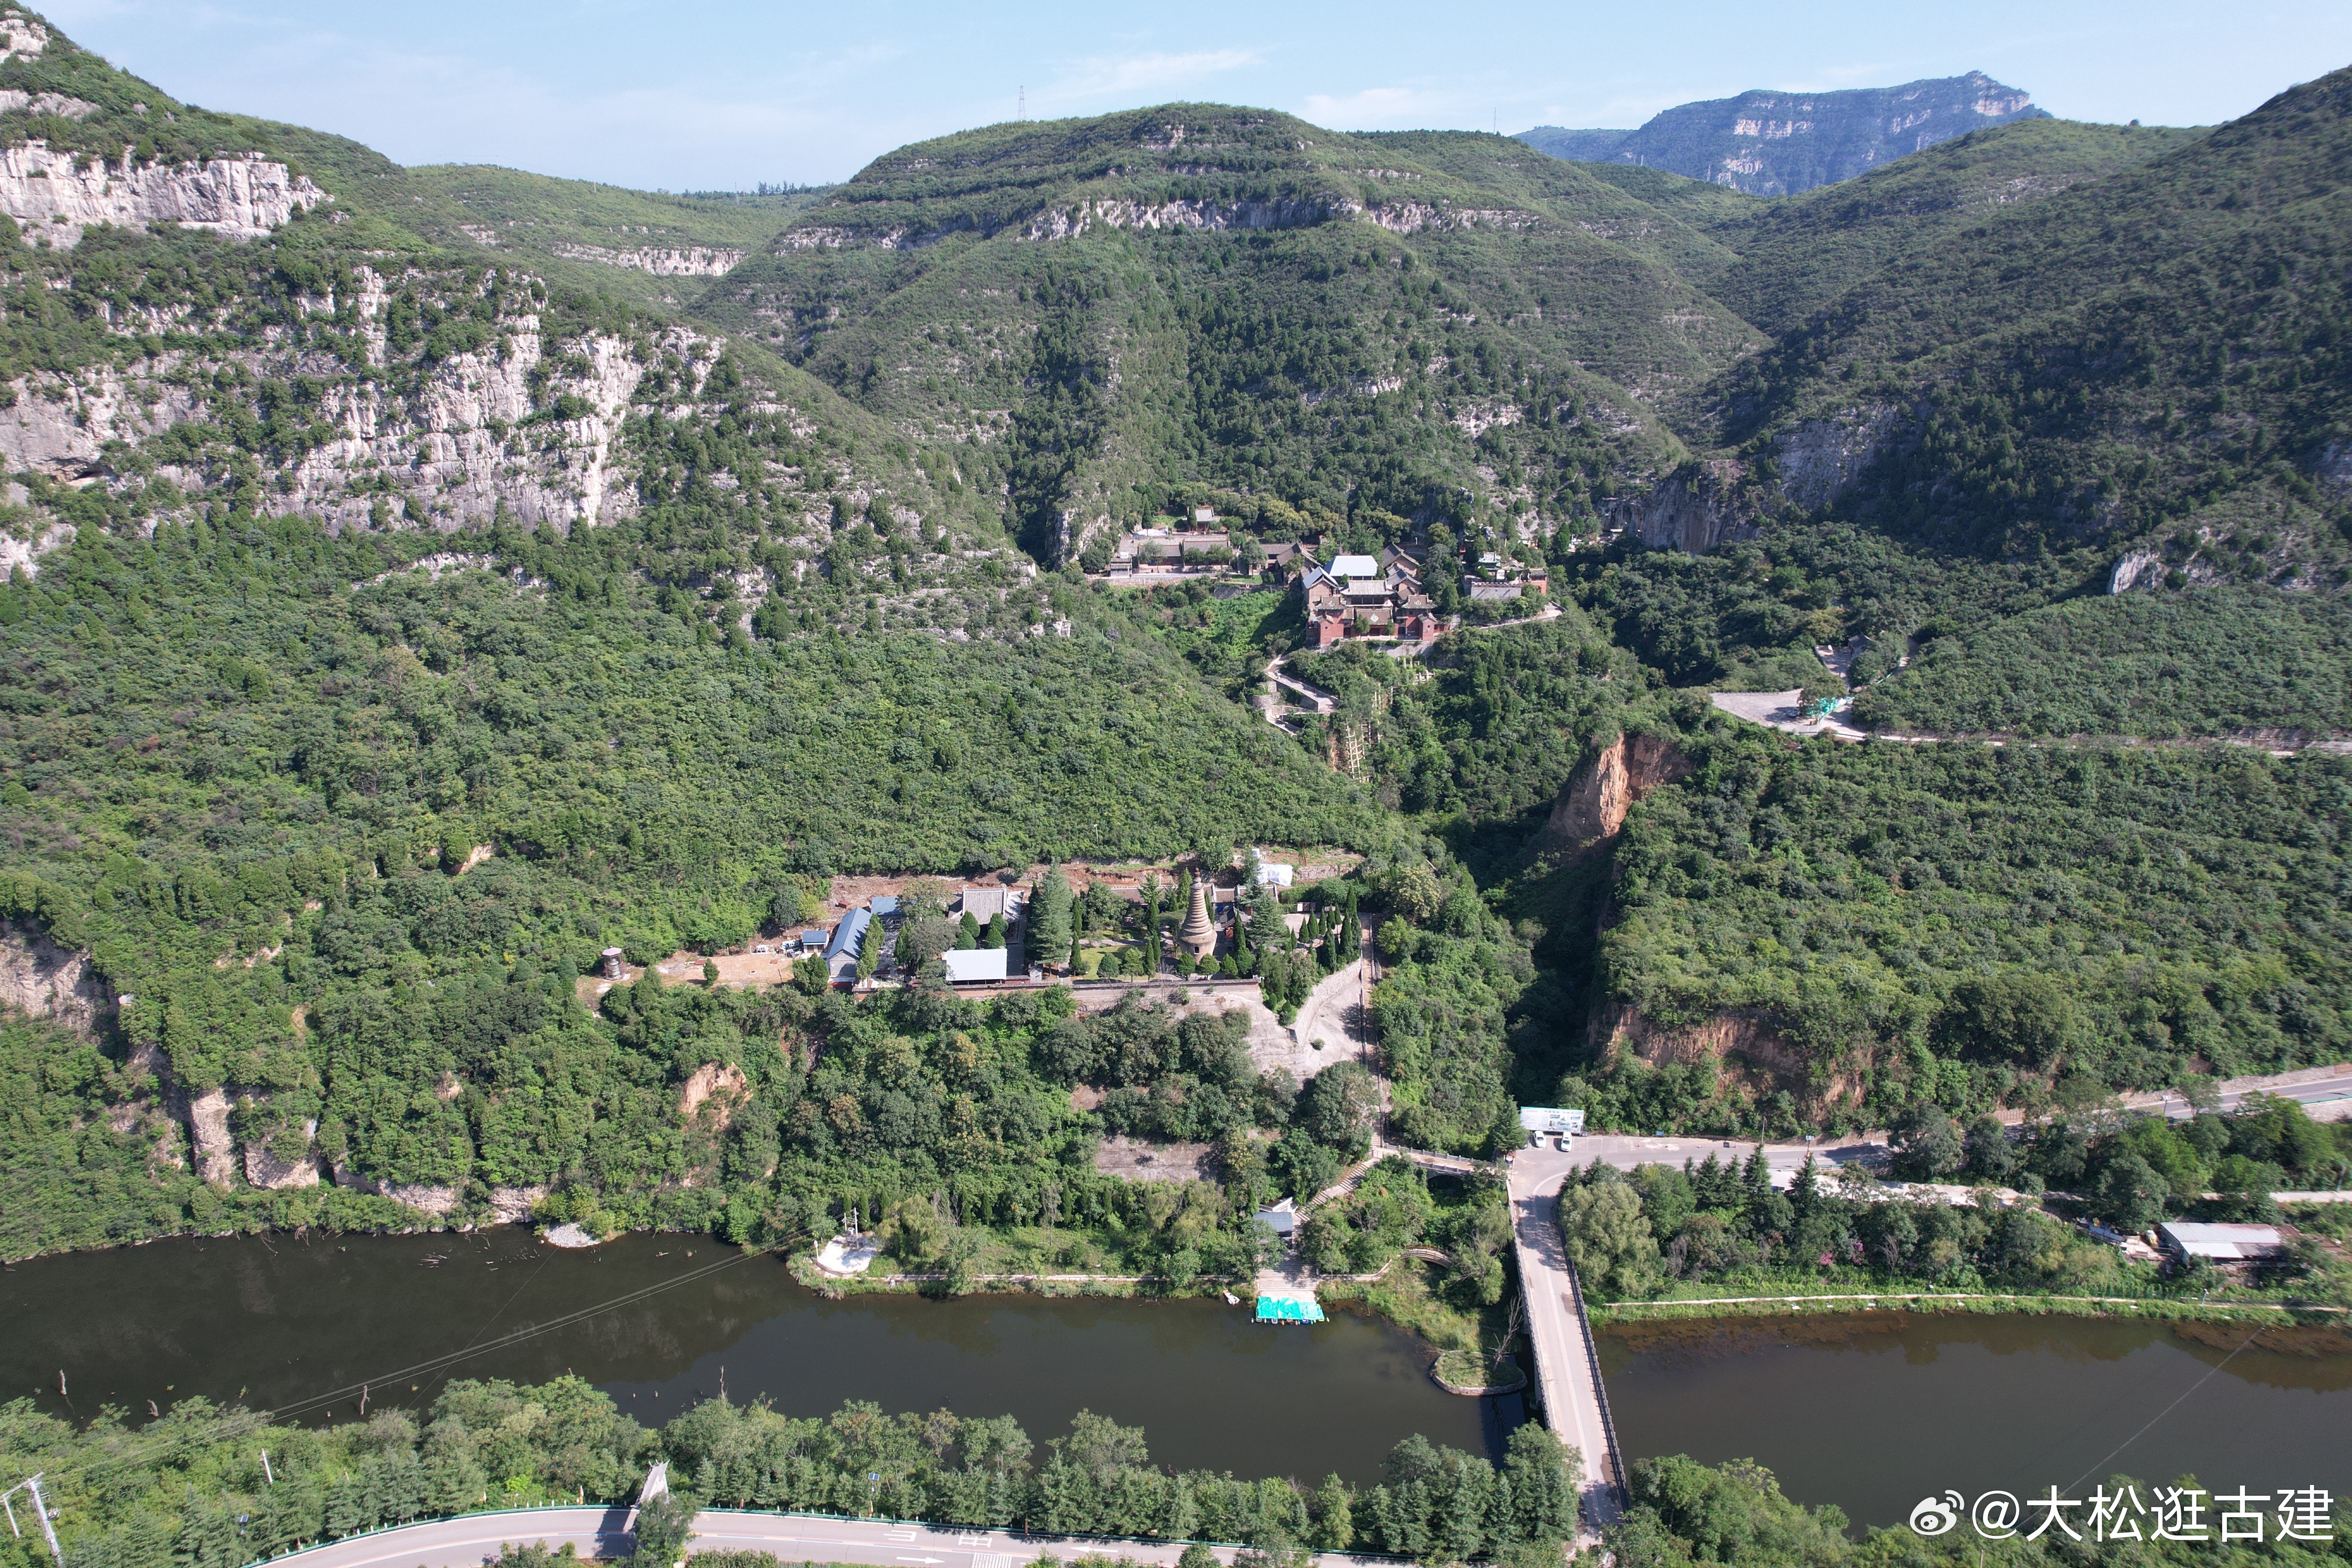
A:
(720, 95)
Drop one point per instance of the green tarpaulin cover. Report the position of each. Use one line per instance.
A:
(1288, 1309)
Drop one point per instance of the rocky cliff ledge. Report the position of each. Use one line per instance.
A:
(242, 198)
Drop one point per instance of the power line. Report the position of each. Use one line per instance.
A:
(2168, 1410)
(431, 1364)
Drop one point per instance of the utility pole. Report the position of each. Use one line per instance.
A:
(32, 1485)
(266, 1470)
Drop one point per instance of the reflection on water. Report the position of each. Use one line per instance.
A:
(276, 1320)
(1874, 1411)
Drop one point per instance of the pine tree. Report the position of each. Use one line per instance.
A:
(1335, 1508)
(1050, 932)
(1806, 1188)
(1758, 1177)
(1706, 1184)
(346, 1508)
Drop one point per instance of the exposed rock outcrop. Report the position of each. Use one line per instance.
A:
(242, 198)
(2335, 465)
(468, 436)
(1754, 1058)
(710, 1082)
(40, 978)
(1594, 803)
(59, 425)
(430, 1200)
(1065, 223)
(264, 1169)
(512, 1206)
(2135, 568)
(208, 1133)
(1820, 458)
(1067, 220)
(21, 37)
(1693, 510)
(13, 99)
(693, 261)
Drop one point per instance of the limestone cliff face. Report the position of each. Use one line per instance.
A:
(693, 261)
(1594, 803)
(42, 980)
(21, 37)
(1692, 510)
(215, 1146)
(457, 441)
(1068, 220)
(14, 100)
(59, 425)
(1820, 458)
(1769, 143)
(241, 198)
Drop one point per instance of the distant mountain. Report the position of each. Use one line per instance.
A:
(1778, 143)
(1576, 146)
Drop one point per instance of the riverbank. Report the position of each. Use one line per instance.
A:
(1963, 1303)
(1403, 1295)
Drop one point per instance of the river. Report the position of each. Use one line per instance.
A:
(277, 1322)
(1875, 1411)
(1871, 1412)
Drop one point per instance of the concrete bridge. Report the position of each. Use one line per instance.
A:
(1568, 1367)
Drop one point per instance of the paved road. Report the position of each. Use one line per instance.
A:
(1568, 1373)
(2326, 1092)
(470, 1541)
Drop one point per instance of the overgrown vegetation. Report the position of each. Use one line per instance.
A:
(1719, 1223)
(191, 1490)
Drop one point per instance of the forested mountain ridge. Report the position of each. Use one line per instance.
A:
(1765, 143)
(384, 616)
(398, 615)
(1198, 291)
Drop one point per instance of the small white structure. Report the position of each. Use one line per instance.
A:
(2222, 1242)
(1551, 1122)
(973, 966)
(1355, 566)
(1273, 874)
(1204, 514)
(846, 1255)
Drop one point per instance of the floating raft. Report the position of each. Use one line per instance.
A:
(1288, 1309)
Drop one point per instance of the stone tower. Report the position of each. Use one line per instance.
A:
(1197, 935)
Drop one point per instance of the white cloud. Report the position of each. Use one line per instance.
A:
(1378, 109)
(1152, 74)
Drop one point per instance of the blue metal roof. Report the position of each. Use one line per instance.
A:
(883, 904)
(849, 934)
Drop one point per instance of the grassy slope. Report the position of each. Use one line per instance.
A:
(1798, 256)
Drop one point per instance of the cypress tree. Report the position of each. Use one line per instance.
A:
(1050, 932)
